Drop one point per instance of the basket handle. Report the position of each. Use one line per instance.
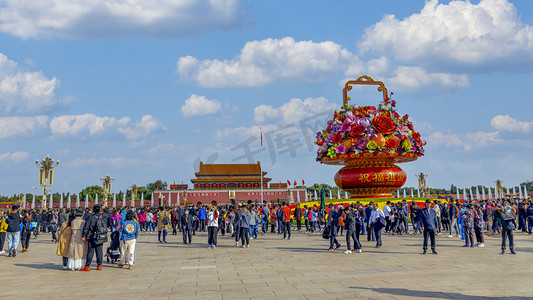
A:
(363, 80)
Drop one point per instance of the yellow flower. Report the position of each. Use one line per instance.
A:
(407, 145)
(371, 145)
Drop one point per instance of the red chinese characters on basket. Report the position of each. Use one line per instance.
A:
(382, 178)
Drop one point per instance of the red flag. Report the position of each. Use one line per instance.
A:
(303, 182)
(288, 182)
(261, 138)
(294, 183)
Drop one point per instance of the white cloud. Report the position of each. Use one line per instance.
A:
(21, 126)
(200, 106)
(23, 92)
(507, 123)
(143, 128)
(91, 124)
(97, 18)
(456, 36)
(80, 124)
(15, 156)
(294, 110)
(114, 162)
(266, 61)
(464, 141)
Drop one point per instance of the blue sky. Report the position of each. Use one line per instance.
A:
(143, 92)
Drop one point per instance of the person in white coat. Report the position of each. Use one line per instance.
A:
(212, 227)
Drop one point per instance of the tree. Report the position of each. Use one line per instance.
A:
(91, 191)
(151, 187)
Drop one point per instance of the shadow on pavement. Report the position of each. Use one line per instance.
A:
(428, 294)
(49, 266)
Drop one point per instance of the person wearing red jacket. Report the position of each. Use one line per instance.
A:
(286, 221)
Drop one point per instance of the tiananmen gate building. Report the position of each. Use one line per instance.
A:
(229, 183)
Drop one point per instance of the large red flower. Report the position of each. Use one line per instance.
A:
(383, 124)
(336, 138)
(392, 143)
(416, 136)
(356, 131)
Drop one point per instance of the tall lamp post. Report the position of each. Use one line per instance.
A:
(107, 187)
(46, 175)
(133, 194)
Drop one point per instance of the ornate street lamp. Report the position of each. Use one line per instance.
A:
(133, 194)
(46, 175)
(107, 187)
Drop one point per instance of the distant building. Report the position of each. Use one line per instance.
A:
(229, 176)
(229, 183)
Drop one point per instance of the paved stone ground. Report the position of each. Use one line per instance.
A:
(300, 268)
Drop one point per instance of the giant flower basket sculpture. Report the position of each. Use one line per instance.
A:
(369, 142)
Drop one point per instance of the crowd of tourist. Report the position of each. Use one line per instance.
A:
(81, 233)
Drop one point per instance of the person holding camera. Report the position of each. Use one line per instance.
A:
(212, 227)
(507, 217)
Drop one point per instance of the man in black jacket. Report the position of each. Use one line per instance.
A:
(429, 221)
(13, 230)
(352, 219)
(187, 224)
(95, 233)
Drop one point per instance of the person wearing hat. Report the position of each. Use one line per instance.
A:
(77, 248)
(429, 221)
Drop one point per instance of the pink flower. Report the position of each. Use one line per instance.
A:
(350, 116)
(402, 130)
(345, 126)
(340, 149)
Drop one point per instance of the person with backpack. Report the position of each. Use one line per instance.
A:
(127, 235)
(95, 233)
(163, 224)
(115, 220)
(25, 233)
(13, 230)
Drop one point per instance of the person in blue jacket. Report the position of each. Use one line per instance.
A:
(428, 219)
(128, 234)
(529, 213)
(202, 216)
